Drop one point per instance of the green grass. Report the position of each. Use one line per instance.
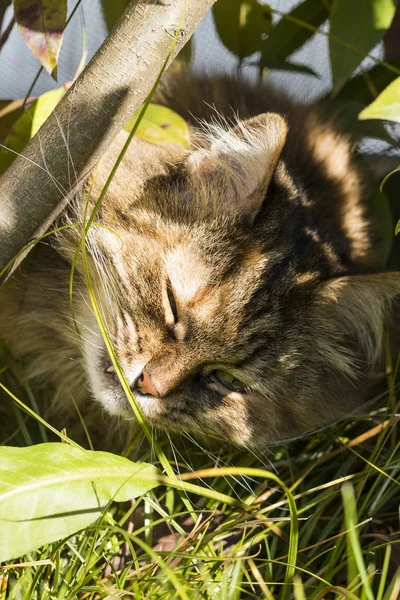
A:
(234, 533)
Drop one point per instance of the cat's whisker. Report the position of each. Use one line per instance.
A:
(215, 459)
(268, 466)
(107, 276)
(59, 187)
(85, 326)
(91, 310)
(176, 452)
(70, 161)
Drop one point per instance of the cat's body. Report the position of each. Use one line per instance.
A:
(233, 277)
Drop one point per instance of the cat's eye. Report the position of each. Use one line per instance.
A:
(227, 380)
(172, 303)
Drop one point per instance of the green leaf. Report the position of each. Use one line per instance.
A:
(356, 27)
(347, 113)
(50, 491)
(386, 106)
(27, 125)
(294, 29)
(10, 110)
(383, 183)
(112, 10)
(381, 219)
(391, 191)
(160, 125)
(242, 24)
(367, 85)
(285, 65)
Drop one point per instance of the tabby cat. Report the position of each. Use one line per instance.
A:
(234, 277)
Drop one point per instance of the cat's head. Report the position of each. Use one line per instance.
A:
(233, 309)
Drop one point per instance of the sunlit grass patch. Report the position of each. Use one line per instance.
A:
(344, 482)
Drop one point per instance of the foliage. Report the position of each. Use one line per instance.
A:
(328, 526)
(160, 125)
(27, 125)
(293, 30)
(386, 105)
(68, 490)
(42, 23)
(241, 25)
(112, 10)
(348, 45)
(235, 541)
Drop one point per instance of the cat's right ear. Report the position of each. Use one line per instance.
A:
(240, 163)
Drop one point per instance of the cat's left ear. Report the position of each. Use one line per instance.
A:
(240, 163)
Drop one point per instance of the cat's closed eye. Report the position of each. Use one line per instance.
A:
(171, 309)
(229, 381)
(263, 231)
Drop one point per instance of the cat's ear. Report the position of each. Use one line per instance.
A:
(353, 312)
(240, 163)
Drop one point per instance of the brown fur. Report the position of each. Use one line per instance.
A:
(260, 232)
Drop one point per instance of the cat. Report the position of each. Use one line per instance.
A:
(235, 278)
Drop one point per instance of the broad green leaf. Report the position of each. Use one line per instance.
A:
(112, 10)
(345, 115)
(294, 29)
(27, 125)
(160, 125)
(10, 110)
(383, 183)
(370, 129)
(386, 106)
(356, 27)
(380, 216)
(42, 23)
(397, 229)
(372, 81)
(242, 24)
(391, 191)
(50, 491)
(285, 65)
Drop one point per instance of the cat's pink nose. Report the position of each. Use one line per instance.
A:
(143, 384)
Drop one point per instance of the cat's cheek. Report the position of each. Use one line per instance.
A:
(114, 402)
(104, 388)
(231, 419)
(152, 407)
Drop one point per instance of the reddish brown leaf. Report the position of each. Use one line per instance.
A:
(42, 23)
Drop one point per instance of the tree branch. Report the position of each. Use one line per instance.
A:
(4, 37)
(35, 188)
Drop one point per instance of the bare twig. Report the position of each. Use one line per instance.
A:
(7, 32)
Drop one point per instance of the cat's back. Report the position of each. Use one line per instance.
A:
(207, 97)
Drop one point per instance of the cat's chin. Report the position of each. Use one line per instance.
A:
(113, 399)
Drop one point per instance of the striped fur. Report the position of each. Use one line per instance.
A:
(260, 232)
